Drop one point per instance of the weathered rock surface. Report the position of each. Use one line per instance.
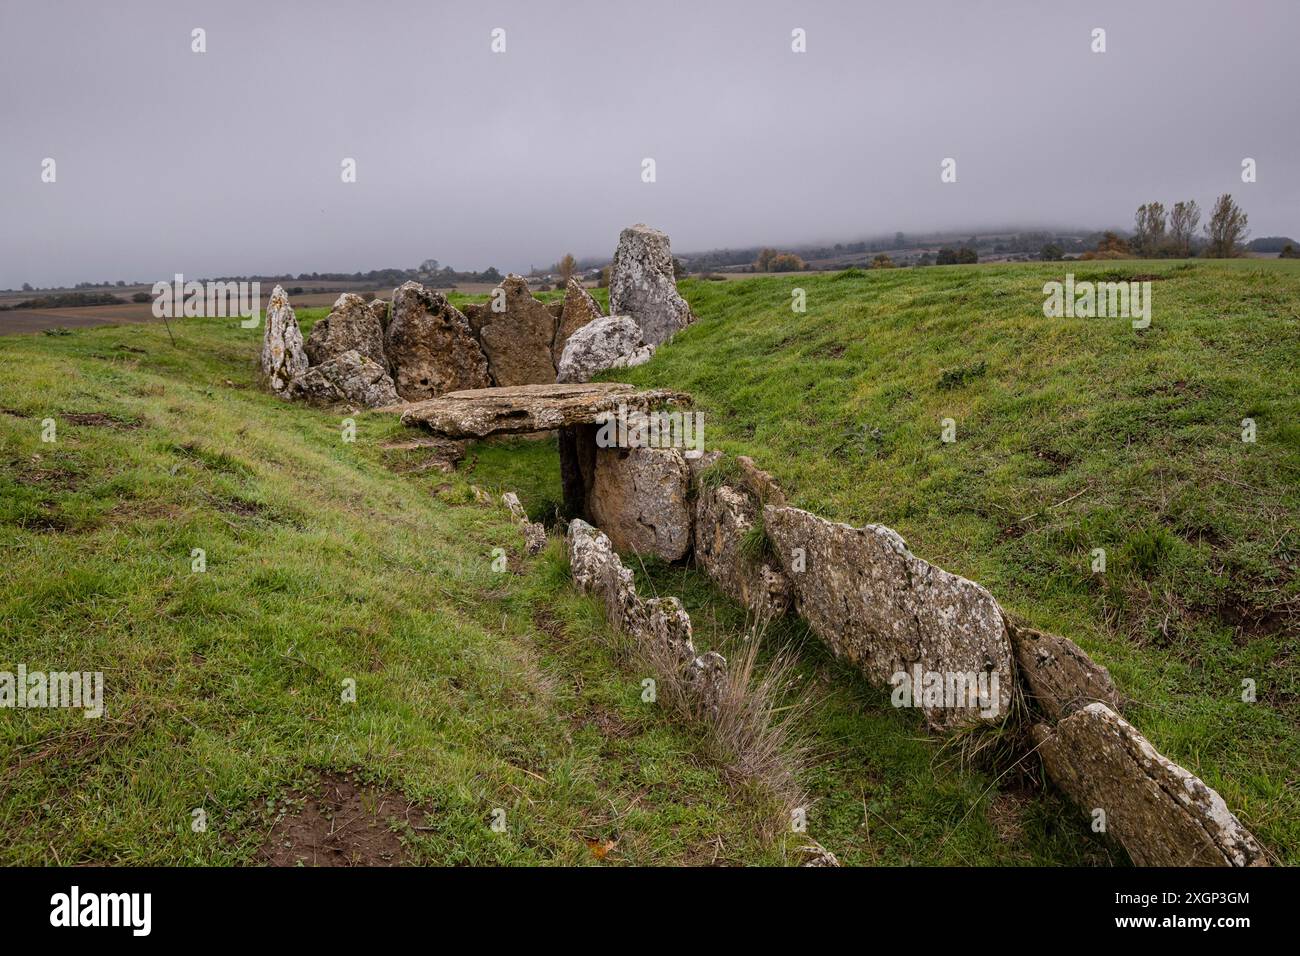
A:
(724, 519)
(477, 413)
(534, 534)
(430, 347)
(283, 358)
(1059, 677)
(1162, 814)
(379, 309)
(350, 326)
(613, 341)
(518, 341)
(661, 624)
(424, 452)
(641, 284)
(350, 377)
(576, 310)
(639, 498)
(884, 610)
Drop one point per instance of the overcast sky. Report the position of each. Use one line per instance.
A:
(228, 162)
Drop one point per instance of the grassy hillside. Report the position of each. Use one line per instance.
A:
(1071, 435)
(328, 561)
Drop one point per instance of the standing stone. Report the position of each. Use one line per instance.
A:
(1162, 814)
(350, 377)
(641, 284)
(283, 358)
(577, 309)
(611, 341)
(886, 611)
(350, 326)
(519, 340)
(379, 309)
(639, 498)
(430, 347)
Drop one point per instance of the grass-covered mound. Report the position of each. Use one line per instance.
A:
(1072, 434)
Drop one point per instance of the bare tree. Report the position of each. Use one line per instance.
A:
(1149, 229)
(566, 267)
(1184, 219)
(1226, 229)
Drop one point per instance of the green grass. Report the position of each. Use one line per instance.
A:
(1072, 434)
(475, 689)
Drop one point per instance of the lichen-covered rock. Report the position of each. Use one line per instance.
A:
(886, 611)
(520, 409)
(350, 377)
(639, 497)
(725, 518)
(350, 326)
(430, 347)
(818, 855)
(576, 310)
(283, 358)
(519, 340)
(1058, 676)
(379, 309)
(598, 571)
(641, 284)
(660, 625)
(534, 534)
(612, 341)
(1162, 814)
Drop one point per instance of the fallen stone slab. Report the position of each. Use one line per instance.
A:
(519, 409)
(612, 341)
(887, 612)
(349, 377)
(1162, 814)
(1058, 676)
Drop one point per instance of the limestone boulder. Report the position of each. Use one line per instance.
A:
(639, 497)
(519, 340)
(1057, 675)
(576, 310)
(350, 326)
(1161, 813)
(379, 308)
(283, 358)
(612, 341)
(725, 519)
(886, 611)
(430, 347)
(351, 377)
(642, 285)
(534, 533)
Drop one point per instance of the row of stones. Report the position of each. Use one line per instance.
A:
(886, 611)
(420, 347)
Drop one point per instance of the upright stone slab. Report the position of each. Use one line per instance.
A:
(1162, 814)
(1058, 676)
(350, 377)
(724, 519)
(639, 497)
(351, 326)
(430, 347)
(519, 340)
(283, 358)
(886, 611)
(642, 285)
(577, 310)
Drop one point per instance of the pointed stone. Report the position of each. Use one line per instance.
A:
(430, 347)
(518, 341)
(283, 357)
(351, 326)
(577, 309)
(642, 285)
